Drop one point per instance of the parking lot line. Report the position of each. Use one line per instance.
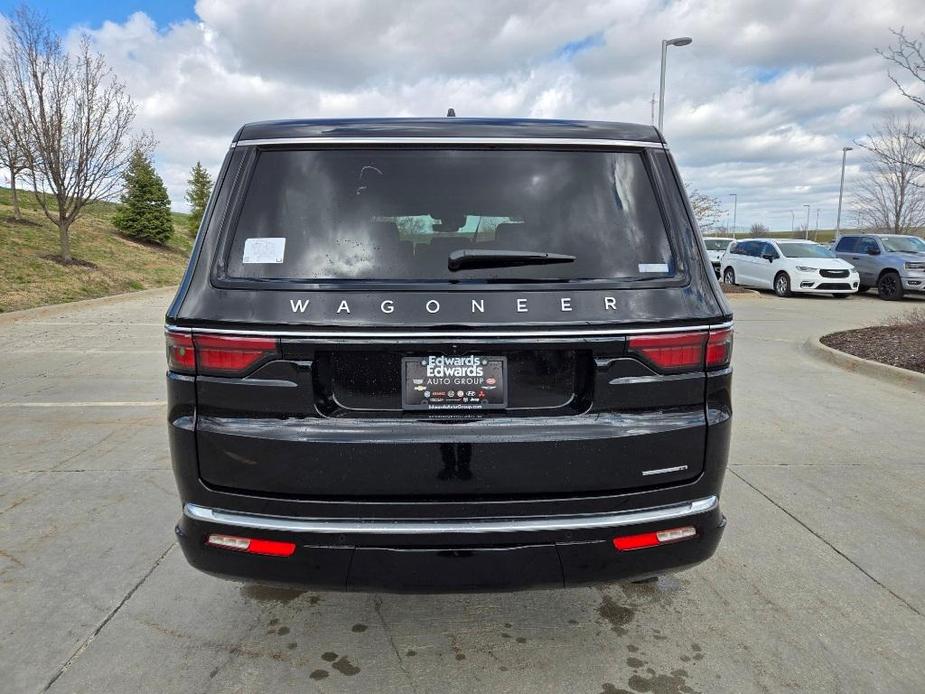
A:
(117, 403)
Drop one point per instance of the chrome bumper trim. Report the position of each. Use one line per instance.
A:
(430, 527)
(386, 333)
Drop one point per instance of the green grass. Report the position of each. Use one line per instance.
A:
(29, 276)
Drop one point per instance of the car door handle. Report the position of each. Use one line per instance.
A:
(855, 257)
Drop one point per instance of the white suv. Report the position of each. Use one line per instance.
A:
(716, 246)
(788, 266)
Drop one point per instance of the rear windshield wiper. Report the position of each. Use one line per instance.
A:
(464, 259)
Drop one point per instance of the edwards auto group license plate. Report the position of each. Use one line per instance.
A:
(438, 382)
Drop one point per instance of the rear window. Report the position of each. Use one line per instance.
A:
(716, 244)
(389, 214)
(804, 250)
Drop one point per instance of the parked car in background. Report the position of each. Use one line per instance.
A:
(893, 263)
(716, 247)
(788, 266)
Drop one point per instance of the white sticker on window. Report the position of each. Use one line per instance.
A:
(264, 250)
(653, 267)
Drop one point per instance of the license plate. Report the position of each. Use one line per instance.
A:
(440, 382)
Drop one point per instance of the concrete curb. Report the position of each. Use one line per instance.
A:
(874, 369)
(39, 311)
(747, 294)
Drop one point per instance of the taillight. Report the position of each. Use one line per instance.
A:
(670, 351)
(683, 351)
(181, 357)
(228, 355)
(719, 348)
(218, 355)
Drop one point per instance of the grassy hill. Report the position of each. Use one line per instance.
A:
(109, 262)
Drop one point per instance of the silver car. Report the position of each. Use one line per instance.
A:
(893, 263)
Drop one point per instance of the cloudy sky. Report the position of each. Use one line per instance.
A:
(759, 104)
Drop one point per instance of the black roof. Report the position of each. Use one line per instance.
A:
(448, 127)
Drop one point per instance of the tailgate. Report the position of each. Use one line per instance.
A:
(326, 419)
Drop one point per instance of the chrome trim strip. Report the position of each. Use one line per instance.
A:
(430, 527)
(568, 141)
(664, 470)
(461, 335)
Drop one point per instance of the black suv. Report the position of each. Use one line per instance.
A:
(448, 354)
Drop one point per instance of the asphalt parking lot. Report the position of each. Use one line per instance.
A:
(817, 586)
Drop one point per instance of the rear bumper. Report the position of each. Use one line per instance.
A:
(451, 555)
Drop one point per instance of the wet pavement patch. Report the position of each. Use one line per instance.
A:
(345, 667)
(609, 688)
(661, 684)
(270, 593)
(359, 628)
(318, 674)
(619, 616)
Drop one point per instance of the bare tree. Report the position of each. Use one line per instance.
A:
(908, 54)
(707, 209)
(73, 118)
(12, 155)
(757, 230)
(892, 197)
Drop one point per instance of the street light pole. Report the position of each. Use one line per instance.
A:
(680, 41)
(735, 206)
(816, 230)
(793, 223)
(841, 189)
(806, 228)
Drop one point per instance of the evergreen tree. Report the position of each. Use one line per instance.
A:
(145, 210)
(197, 195)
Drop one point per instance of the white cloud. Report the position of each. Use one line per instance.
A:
(760, 104)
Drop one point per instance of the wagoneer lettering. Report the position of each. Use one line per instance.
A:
(480, 355)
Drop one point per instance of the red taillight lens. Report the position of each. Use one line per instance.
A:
(671, 351)
(661, 537)
(271, 548)
(218, 355)
(225, 355)
(181, 356)
(719, 348)
(684, 351)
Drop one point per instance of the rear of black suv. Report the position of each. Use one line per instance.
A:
(448, 354)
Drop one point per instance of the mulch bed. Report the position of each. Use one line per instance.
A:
(10, 219)
(896, 345)
(73, 262)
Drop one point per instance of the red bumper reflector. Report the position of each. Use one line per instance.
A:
(250, 545)
(661, 537)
